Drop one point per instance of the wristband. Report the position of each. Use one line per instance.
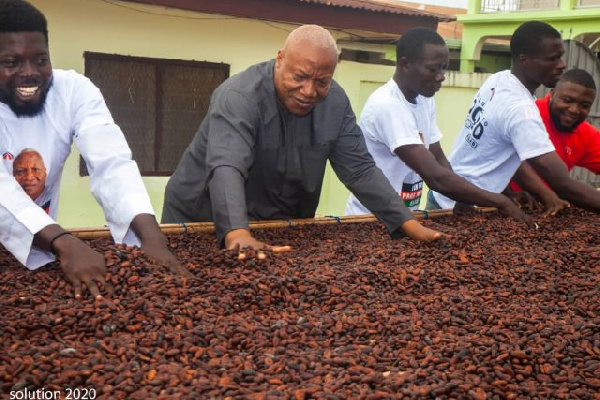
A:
(56, 237)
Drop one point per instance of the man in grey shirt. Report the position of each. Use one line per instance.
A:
(262, 149)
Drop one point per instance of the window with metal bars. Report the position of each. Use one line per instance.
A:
(158, 103)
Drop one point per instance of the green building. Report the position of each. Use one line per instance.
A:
(488, 20)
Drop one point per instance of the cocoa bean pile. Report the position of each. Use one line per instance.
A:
(496, 311)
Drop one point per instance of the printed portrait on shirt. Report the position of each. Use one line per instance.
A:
(30, 172)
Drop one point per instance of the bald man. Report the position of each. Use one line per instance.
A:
(30, 171)
(261, 151)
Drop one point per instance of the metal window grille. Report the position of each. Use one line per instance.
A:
(158, 103)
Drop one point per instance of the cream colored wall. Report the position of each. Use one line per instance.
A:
(77, 26)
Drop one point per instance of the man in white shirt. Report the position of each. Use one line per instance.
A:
(47, 110)
(503, 128)
(399, 125)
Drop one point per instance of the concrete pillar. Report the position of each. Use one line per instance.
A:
(470, 49)
(567, 5)
(474, 7)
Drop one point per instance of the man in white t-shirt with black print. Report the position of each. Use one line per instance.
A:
(503, 128)
(400, 128)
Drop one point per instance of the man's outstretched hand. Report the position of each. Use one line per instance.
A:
(414, 230)
(154, 244)
(158, 253)
(80, 264)
(242, 240)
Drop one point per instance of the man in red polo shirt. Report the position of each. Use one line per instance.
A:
(564, 111)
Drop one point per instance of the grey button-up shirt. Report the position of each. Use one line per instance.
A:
(252, 160)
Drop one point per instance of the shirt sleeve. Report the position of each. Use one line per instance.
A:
(228, 201)
(436, 133)
(115, 180)
(20, 220)
(392, 124)
(591, 156)
(527, 132)
(355, 167)
(229, 155)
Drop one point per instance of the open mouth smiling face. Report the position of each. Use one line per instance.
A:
(25, 71)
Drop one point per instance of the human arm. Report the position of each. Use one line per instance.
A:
(527, 179)
(554, 171)
(115, 180)
(355, 167)
(439, 155)
(116, 184)
(460, 208)
(231, 129)
(445, 181)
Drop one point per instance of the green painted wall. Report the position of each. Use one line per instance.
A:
(123, 28)
(493, 63)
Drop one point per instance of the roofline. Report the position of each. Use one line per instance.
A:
(378, 18)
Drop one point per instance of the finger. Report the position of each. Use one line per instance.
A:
(532, 225)
(109, 288)
(241, 255)
(77, 287)
(280, 249)
(101, 279)
(529, 222)
(93, 288)
(181, 270)
(261, 255)
(556, 210)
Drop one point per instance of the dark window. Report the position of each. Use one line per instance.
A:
(365, 57)
(158, 103)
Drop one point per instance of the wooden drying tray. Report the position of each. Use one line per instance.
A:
(208, 227)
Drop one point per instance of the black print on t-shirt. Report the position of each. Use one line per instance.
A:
(475, 122)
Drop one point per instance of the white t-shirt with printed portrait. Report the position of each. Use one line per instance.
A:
(74, 112)
(503, 128)
(388, 121)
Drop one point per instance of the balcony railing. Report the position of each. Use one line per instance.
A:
(494, 6)
(588, 3)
